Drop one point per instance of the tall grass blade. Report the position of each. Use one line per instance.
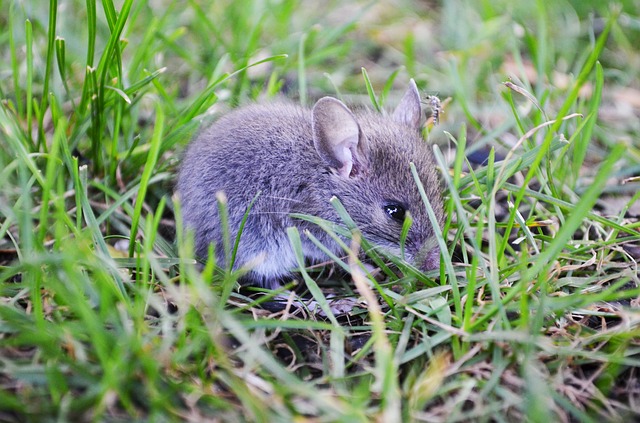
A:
(29, 101)
(314, 289)
(581, 144)
(149, 168)
(372, 94)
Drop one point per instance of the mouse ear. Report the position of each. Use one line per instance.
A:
(409, 111)
(337, 137)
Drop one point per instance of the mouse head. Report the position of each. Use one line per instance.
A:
(368, 158)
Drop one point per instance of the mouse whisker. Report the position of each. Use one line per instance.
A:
(293, 200)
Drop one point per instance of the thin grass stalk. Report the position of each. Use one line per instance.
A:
(149, 168)
(51, 36)
(53, 166)
(15, 67)
(582, 143)
(370, 91)
(314, 289)
(302, 74)
(29, 101)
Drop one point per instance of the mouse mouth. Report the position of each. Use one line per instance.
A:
(426, 257)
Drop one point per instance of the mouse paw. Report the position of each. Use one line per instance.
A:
(341, 306)
(338, 306)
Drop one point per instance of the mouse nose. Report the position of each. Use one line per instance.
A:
(428, 258)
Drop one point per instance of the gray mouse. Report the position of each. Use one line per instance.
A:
(298, 159)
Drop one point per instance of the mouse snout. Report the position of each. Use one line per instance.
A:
(429, 256)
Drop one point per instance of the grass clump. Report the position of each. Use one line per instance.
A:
(532, 315)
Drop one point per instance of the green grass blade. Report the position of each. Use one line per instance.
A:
(29, 101)
(372, 94)
(581, 144)
(53, 166)
(302, 78)
(149, 168)
(51, 37)
(314, 289)
(17, 89)
(102, 250)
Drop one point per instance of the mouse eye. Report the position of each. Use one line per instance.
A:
(395, 211)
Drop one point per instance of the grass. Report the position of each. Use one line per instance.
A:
(533, 314)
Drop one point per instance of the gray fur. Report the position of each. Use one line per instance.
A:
(298, 159)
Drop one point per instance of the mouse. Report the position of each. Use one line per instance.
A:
(285, 159)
